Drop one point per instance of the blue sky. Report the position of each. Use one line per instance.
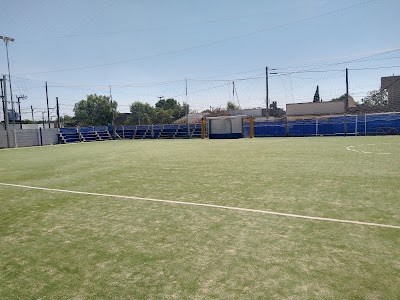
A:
(145, 49)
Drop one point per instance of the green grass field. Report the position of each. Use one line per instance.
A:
(56, 245)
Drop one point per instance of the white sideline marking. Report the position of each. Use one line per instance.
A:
(350, 148)
(204, 205)
(37, 147)
(284, 139)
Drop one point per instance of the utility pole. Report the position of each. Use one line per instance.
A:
(233, 96)
(113, 115)
(58, 114)
(6, 121)
(19, 108)
(346, 101)
(43, 118)
(48, 110)
(267, 89)
(266, 92)
(2, 101)
(33, 119)
(187, 112)
(19, 112)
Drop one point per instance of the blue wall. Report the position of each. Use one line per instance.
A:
(376, 124)
(381, 124)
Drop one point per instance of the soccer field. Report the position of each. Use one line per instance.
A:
(241, 220)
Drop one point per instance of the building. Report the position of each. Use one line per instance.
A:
(318, 108)
(392, 86)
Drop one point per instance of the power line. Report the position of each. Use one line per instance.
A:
(361, 59)
(185, 25)
(205, 44)
(333, 70)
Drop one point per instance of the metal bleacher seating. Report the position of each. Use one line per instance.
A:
(83, 134)
(68, 135)
(169, 131)
(101, 133)
(195, 130)
(141, 131)
(182, 132)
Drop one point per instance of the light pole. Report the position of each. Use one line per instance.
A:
(6, 40)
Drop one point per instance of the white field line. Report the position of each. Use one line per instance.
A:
(351, 148)
(38, 147)
(281, 140)
(204, 205)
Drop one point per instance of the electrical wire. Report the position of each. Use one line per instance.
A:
(205, 44)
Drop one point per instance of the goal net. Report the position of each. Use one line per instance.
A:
(225, 127)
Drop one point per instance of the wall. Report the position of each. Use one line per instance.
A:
(28, 137)
(36, 126)
(255, 112)
(314, 108)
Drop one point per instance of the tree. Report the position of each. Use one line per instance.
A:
(316, 95)
(375, 98)
(339, 99)
(181, 111)
(275, 111)
(174, 108)
(170, 103)
(141, 113)
(230, 105)
(164, 112)
(95, 110)
(215, 112)
(163, 116)
(68, 121)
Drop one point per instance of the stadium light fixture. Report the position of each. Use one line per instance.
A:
(6, 40)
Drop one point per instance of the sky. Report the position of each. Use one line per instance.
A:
(141, 50)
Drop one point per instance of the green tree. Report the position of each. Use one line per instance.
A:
(163, 116)
(215, 112)
(275, 111)
(339, 99)
(230, 105)
(316, 95)
(95, 110)
(141, 113)
(174, 108)
(375, 98)
(164, 112)
(67, 121)
(180, 111)
(170, 103)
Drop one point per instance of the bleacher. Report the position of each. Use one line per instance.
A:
(169, 131)
(195, 130)
(87, 134)
(127, 132)
(157, 131)
(370, 124)
(102, 133)
(141, 131)
(68, 135)
(84, 134)
(182, 132)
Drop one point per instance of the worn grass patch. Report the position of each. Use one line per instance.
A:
(65, 246)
